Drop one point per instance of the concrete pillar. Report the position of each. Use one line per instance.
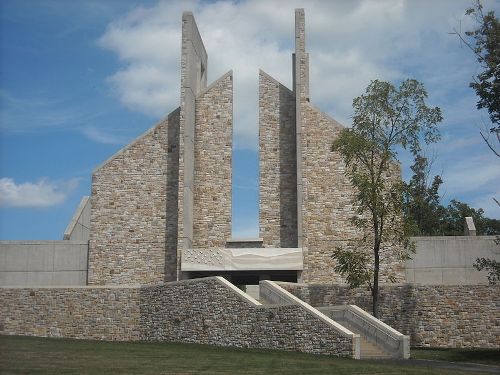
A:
(301, 89)
(193, 81)
(469, 227)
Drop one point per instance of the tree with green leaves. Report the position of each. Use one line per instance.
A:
(385, 119)
(484, 42)
(452, 223)
(491, 266)
(422, 205)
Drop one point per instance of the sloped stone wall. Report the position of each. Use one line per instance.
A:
(327, 202)
(277, 164)
(207, 312)
(327, 196)
(433, 316)
(130, 231)
(213, 164)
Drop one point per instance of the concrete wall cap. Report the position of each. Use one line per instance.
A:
(76, 216)
(43, 242)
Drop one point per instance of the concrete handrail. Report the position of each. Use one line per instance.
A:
(273, 293)
(392, 341)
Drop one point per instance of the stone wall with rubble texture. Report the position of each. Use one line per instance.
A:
(204, 311)
(277, 164)
(207, 312)
(212, 164)
(433, 316)
(130, 231)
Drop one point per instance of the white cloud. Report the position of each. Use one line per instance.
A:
(350, 43)
(486, 202)
(479, 175)
(43, 193)
(26, 114)
(101, 136)
(474, 180)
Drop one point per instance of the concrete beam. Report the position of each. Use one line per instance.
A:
(244, 259)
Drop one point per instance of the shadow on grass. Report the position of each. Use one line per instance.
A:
(483, 356)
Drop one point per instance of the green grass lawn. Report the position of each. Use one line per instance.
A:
(483, 356)
(30, 355)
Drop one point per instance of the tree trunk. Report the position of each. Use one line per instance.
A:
(376, 270)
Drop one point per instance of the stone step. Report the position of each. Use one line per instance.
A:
(371, 351)
(368, 350)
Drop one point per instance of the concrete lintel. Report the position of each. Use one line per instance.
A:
(243, 259)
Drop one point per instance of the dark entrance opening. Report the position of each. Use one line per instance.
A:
(247, 277)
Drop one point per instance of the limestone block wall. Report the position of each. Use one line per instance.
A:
(205, 311)
(212, 164)
(277, 164)
(132, 241)
(99, 313)
(433, 316)
(326, 196)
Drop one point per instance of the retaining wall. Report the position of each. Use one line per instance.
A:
(43, 263)
(449, 260)
(433, 316)
(208, 311)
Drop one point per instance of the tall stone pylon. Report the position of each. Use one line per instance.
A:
(194, 60)
(301, 89)
(205, 158)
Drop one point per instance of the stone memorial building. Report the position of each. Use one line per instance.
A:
(161, 207)
(149, 256)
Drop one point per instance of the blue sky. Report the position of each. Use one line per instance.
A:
(80, 79)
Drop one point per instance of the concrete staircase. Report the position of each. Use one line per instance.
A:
(375, 339)
(368, 349)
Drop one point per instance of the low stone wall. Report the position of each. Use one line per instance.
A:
(206, 311)
(101, 313)
(433, 316)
